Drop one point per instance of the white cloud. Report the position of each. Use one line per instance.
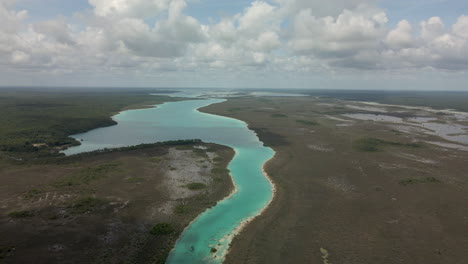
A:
(127, 34)
(266, 41)
(178, 26)
(258, 16)
(129, 8)
(277, 36)
(460, 28)
(19, 57)
(401, 36)
(435, 47)
(57, 30)
(348, 33)
(320, 8)
(11, 19)
(244, 40)
(432, 28)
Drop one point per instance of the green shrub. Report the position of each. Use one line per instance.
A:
(196, 186)
(186, 147)
(234, 109)
(134, 179)
(34, 193)
(367, 144)
(20, 214)
(218, 170)
(6, 252)
(278, 115)
(181, 209)
(200, 152)
(93, 173)
(155, 159)
(87, 175)
(211, 149)
(374, 144)
(85, 205)
(307, 122)
(432, 180)
(162, 229)
(217, 179)
(416, 181)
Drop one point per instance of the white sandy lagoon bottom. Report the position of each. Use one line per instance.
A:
(216, 227)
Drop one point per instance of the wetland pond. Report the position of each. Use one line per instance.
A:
(215, 228)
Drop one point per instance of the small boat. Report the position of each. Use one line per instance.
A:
(192, 248)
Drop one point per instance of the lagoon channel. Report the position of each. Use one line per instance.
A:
(216, 227)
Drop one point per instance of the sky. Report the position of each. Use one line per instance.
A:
(333, 44)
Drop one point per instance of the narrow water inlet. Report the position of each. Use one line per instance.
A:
(216, 227)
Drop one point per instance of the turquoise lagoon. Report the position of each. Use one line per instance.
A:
(181, 120)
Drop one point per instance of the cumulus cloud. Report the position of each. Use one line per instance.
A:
(348, 33)
(277, 36)
(128, 32)
(57, 30)
(19, 57)
(129, 8)
(115, 35)
(461, 27)
(361, 39)
(246, 39)
(401, 36)
(320, 8)
(256, 18)
(434, 47)
(11, 50)
(432, 28)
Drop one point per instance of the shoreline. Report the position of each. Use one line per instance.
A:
(229, 196)
(244, 223)
(111, 118)
(224, 248)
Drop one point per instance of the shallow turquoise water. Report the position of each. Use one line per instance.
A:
(181, 120)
